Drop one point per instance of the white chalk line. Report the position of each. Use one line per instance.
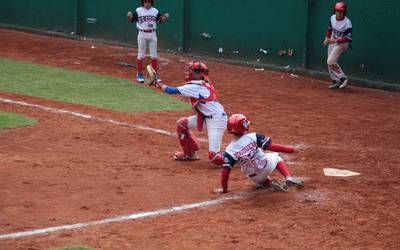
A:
(91, 117)
(122, 218)
(119, 123)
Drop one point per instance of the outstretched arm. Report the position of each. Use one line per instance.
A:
(168, 89)
(227, 166)
(265, 143)
(280, 148)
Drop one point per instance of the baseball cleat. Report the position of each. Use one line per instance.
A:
(334, 85)
(180, 156)
(278, 187)
(159, 79)
(140, 77)
(343, 83)
(294, 181)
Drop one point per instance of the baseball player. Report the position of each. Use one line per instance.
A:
(146, 18)
(209, 113)
(247, 149)
(338, 39)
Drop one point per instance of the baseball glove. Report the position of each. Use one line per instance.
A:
(152, 76)
(129, 15)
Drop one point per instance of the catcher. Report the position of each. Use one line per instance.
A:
(146, 18)
(209, 112)
(246, 149)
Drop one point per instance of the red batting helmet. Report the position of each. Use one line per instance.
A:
(195, 67)
(238, 124)
(341, 6)
(142, 2)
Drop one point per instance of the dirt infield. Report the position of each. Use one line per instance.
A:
(69, 170)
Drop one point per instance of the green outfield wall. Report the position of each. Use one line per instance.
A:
(49, 15)
(286, 34)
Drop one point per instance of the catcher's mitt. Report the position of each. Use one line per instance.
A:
(152, 76)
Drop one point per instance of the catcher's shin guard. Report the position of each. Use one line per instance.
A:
(186, 138)
(215, 158)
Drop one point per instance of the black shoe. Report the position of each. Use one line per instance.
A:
(343, 83)
(294, 181)
(335, 85)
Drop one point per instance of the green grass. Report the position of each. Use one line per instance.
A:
(82, 88)
(12, 120)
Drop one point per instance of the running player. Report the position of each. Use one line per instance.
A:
(246, 149)
(338, 39)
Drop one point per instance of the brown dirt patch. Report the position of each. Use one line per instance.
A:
(68, 170)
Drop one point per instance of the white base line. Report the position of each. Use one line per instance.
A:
(121, 218)
(90, 117)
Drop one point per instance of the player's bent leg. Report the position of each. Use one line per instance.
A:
(289, 179)
(281, 167)
(187, 140)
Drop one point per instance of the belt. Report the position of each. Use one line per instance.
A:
(211, 116)
(147, 31)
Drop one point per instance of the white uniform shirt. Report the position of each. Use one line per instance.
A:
(341, 28)
(147, 18)
(248, 155)
(196, 90)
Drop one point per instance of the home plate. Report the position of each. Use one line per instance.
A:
(339, 172)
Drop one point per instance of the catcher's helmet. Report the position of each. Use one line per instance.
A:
(341, 6)
(196, 67)
(238, 124)
(142, 2)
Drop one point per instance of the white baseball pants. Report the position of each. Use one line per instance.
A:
(334, 52)
(215, 127)
(147, 39)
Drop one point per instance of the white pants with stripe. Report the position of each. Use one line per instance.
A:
(334, 52)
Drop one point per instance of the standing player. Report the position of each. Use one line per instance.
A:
(209, 113)
(246, 149)
(338, 37)
(146, 18)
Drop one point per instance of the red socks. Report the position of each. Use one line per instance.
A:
(283, 169)
(154, 64)
(139, 65)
